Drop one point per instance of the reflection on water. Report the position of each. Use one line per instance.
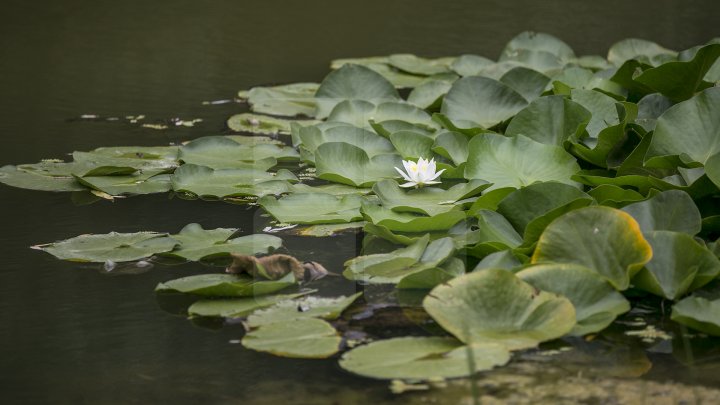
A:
(73, 334)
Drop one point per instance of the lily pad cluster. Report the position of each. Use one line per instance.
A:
(572, 186)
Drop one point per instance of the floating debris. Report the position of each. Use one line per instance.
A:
(649, 334)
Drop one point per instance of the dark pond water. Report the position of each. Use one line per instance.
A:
(69, 334)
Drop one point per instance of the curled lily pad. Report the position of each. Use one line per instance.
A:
(698, 313)
(347, 164)
(390, 268)
(539, 41)
(551, 120)
(313, 208)
(603, 239)
(410, 222)
(687, 132)
(422, 358)
(452, 145)
(236, 307)
(679, 265)
(198, 244)
(530, 209)
(494, 233)
(640, 49)
(427, 200)
(504, 161)
(432, 276)
(304, 338)
(219, 152)
(596, 302)
(114, 246)
(496, 306)
(308, 307)
(226, 285)
(481, 102)
(204, 182)
(353, 82)
(671, 210)
(679, 80)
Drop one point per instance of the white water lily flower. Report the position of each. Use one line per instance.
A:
(419, 174)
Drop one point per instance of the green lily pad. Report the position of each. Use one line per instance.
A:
(308, 307)
(204, 182)
(400, 258)
(679, 265)
(312, 137)
(430, 93)
(496, 306)
(344, 163)
(530, 209)
(422, 358)
(325, 230)
(363, 114)
(430, 277)
(410, 222)
(650, 108)
(527, 82)
(596, 302)
(313, 208)
(304, 338)
(420, 66)
(481, 102)
(116, 247)
(11, 176)
(226, 285)
(603, 239)
(550, 120)
(539, 41)
(687, 132)
(391, 268)
(218, 152)
(504, 161)
(262, 124)
(712, 168)
(470, 65)
(494, 233)
(698, 313)
(333, 189)
(503, 259)
(198, 244)
(640, 49)
(237, 307)
(427, 200)
(353, 82)
(147, 182)
(412, 145)
(286, 100)
(679, 80)
(453, 146)
(614, 196)
(671, 210)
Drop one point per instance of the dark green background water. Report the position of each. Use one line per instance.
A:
(69, 334)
